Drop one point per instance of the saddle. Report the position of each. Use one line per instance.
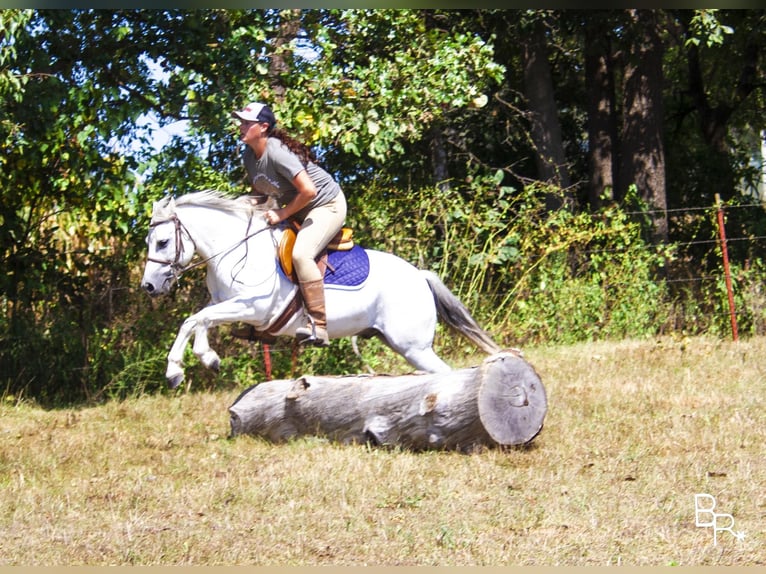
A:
(343, 241)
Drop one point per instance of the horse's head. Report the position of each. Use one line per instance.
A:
(170, 249)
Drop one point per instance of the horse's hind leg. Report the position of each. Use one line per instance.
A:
(409, 323)
(425, 360)
(420, 355)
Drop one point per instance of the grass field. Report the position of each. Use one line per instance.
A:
(634, 430)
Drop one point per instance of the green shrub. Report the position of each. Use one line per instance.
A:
(528, 275)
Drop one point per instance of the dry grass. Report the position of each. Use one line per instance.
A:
(633, 431)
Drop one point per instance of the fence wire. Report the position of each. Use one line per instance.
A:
(286, 347)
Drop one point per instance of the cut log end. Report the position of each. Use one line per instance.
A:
(512, 400)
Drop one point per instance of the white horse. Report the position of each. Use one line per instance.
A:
(397, 302)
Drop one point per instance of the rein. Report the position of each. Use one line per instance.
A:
(180, 229)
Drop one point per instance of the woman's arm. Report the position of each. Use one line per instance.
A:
(306, 192)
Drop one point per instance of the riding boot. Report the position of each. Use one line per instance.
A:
(315, 332)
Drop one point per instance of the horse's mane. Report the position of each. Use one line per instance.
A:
(164, 208)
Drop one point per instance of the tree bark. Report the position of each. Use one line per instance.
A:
(279, 66)
(602, 125)
(545, 126)
(439, 156)
(502, 402)
(642, 156)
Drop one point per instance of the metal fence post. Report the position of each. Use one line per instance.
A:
(727, 273)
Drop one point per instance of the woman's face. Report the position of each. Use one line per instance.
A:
(250, 132)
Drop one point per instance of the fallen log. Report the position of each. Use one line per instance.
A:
(501, 402)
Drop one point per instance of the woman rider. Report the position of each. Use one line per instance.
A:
(280, 167)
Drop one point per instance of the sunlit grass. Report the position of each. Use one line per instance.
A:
(633, 431)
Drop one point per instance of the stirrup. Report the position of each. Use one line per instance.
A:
(306, 338)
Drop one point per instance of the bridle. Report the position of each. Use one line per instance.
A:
(175, 265)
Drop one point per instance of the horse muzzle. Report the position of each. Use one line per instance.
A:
(155, 288)
(150, 289)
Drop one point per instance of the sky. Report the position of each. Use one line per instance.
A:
(148, 124)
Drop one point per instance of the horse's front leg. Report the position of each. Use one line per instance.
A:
(175, 371)
(198, 324)
(205, 354)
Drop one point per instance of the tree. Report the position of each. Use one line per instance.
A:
(539, 90)
(724, 76)
(642, 153)
(601, 108)
(280, 55)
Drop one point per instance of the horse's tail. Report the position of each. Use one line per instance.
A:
(456, 315)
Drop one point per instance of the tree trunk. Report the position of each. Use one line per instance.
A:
(642, 157)
(438, 156)
(602, 125)
(545, 127)
(502, 402)
(279, 66)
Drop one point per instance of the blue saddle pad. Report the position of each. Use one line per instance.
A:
(347, 268)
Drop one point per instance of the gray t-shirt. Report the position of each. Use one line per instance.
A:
(273, 175)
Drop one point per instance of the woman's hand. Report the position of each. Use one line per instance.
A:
(306, 192)
(272, 217)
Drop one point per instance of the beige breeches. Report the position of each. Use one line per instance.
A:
(319, 226)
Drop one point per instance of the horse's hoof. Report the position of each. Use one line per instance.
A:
(212, 361)
(175, 380)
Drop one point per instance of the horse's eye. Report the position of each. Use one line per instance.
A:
(162, 243)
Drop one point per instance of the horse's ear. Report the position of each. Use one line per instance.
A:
(163, 202)
(162, 207)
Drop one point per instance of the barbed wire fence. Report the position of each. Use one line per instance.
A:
(746, 312)
(719, 244)
(716, 245)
